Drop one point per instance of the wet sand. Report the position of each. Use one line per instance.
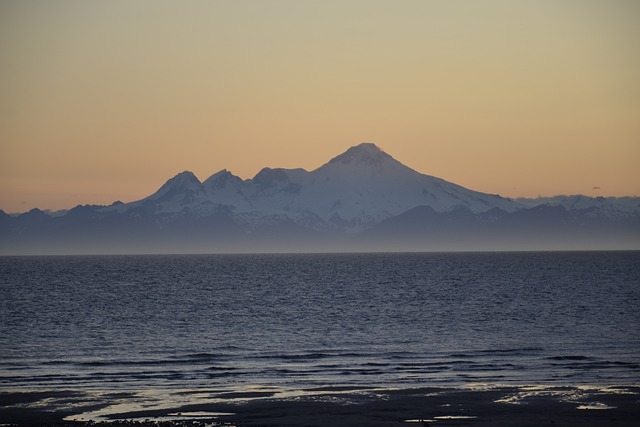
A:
(505, 406)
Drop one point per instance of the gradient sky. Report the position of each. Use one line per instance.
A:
(104, 101)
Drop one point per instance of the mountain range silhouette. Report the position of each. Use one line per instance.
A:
(361, 200)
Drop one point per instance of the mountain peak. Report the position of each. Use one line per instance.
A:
(181, 182)
(221, 178)
(365, 152)
(268, 176)
(186, 177)
(367, 146)
(221, 174)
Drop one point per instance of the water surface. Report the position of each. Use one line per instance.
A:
(304, 322)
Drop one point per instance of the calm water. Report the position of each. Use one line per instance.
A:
(304, 321)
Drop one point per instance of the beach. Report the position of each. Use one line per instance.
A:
(338, 407)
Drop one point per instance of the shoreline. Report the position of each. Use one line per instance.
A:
(506, 406)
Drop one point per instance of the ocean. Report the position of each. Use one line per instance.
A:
(291, 324)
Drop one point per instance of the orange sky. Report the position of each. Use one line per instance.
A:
(101, 101)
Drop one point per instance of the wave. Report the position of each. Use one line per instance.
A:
(512, 351)
(568, 358)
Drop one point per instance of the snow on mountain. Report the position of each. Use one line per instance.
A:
(183, 188)
(182, 192)
(274, 189)
(362, 187)
(226, 189)
(604, 207)
(362, 199)
(353, 191)
(365, 185)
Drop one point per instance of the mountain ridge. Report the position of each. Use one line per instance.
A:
(361, 187)
(361, 199)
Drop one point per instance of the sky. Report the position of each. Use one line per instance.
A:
(105, 101)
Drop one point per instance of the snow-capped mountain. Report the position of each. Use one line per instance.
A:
(353, 191)
(609, 207)
(361, 200)
(365, 185)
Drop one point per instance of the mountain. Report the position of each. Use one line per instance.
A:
(362, 199)
(352, 192)
(611, 207)
(542, 227)
(364, 186)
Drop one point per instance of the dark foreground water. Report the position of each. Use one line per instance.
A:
(299, 322)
